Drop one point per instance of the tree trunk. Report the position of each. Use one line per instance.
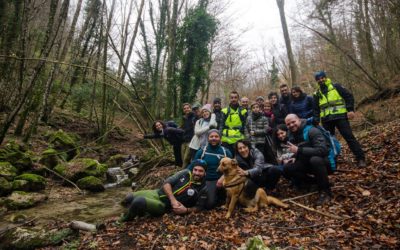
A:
(292, 63)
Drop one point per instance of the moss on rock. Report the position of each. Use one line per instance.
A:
(5, 186)
(17, 155)
(116, 160)
(7, 170)
(91, 183)
(24, 238)
(64, 142)
(35, 182)
(22, 200)
(80, 168)
(51, 157)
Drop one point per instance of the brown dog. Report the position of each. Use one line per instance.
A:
(235, 184)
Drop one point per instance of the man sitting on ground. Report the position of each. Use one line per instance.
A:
(183, 193)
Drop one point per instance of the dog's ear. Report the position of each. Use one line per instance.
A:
(234, 162)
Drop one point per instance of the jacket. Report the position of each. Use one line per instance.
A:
(254, 164)
(316, 146)
(188, 127)
(344, 93)
(302, 106)
(212, 155)
(185, 190)
(280, 113)
(200, 132)
(173, 135)
(233, 124)
(259, 125)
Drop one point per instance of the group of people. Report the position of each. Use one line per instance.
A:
(269, 138)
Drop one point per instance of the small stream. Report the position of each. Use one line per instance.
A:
(91, 207)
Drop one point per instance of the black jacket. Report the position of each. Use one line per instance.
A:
(280, 113)
(188, 127)
(173, 135)
(316, 146)
(344, 93)
(185, 190)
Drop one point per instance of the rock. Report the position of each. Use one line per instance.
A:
(3, 210)
(133, 172)
(51, 157)
(116, 160)
(8, 171)
(18, 218)
(34, 182)
(64, 142)
(254, 243)
(5, 186)
(113, 174)
(91, 183)
(21, 200)
(24, 238)
(17, 155)
(80, 168)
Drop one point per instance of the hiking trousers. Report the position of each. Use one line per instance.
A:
(344, 128)
(315, 165)
(142, 202)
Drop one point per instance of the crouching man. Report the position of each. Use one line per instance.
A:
(182, 193)
(311, 158)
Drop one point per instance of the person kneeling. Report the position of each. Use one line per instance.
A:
(252, 164)
(311, 157)
(182, 193)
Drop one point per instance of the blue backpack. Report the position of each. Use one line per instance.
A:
(334, 145)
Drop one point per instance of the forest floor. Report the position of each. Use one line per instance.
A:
(364, 212)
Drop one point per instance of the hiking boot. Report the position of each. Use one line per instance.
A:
(361, 163)
(324, 198)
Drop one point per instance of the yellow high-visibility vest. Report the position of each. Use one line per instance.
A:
(232, 125)
(331, 103)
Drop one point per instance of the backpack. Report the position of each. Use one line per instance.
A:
(171, 124)
(217, 155)
(334, 145)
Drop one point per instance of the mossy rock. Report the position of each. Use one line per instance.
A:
(91, 183)
(20, 185)
(64, 142)
(22, 200)
(51, 157)
(35, 182)
(7, 170)
(32, 238)
(116, 160)
(17, 155)
(5, 186)
(80, 168)
(255, 243)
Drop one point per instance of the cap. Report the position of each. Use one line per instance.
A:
(319, 74)
(217, 100)
(200, 162)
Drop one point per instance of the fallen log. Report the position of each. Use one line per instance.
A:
(80, 225)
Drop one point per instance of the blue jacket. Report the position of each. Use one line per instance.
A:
(212, 155)
(302, 106)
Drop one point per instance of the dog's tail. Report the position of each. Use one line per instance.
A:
(272, 200)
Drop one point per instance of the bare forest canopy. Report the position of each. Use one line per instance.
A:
(145, 58)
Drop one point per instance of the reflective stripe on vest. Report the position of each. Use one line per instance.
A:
(232, 126)
(331, 103)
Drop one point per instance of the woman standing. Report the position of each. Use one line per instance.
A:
(202, 126)
(301, 104)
